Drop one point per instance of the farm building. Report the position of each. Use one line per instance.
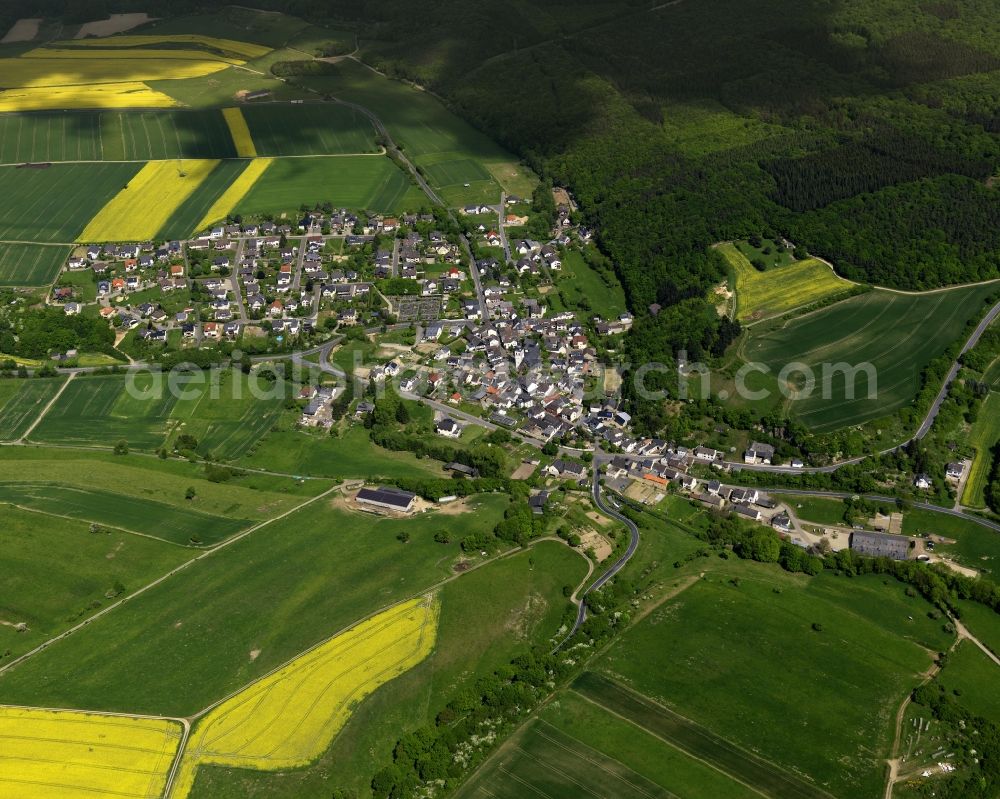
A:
(387, 498)
(878, 545)
(462, 469)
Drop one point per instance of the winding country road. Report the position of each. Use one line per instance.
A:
(618, 565)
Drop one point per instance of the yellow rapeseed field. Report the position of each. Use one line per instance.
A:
(77, 755)
(84, 53)
(245, 49)
(781, 288)
(139, 210)
(237, 190)
(98, 95)
(240, 132)
(289, 718)
(33, 72)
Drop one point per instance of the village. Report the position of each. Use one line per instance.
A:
(462, 323)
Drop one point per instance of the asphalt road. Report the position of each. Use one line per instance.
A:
(879, 498)
(972, 341)
(619, 564)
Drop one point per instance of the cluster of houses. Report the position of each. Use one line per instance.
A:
(121, 269)
(317, 412)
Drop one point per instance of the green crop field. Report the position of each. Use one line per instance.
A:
(825, 713)
(593, 750)
(766, 778)
(424, 127)
(543, 761)
(780, 289)
(369, 182)
(984, 437)
(154, 135)
(309, 129)
(21, 401)
(232, 22)
(238, 613)
(47, 136)
(525, 609)
(98, 411)
(113, 136)
(972, 677)
(898, 334)
(184, 222)
(30, 264)
(56, 572)
(148, 517)
(56, 203)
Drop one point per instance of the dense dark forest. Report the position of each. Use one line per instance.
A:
(864, 132)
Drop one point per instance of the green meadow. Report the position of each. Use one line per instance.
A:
(351, 454)
(143, 495)
(849, 652)
(241, 611)
(57, 572)
(971, 677)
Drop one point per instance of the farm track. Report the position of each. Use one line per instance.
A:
(46, 409)
(176, 570)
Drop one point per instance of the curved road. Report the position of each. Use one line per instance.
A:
(618, 565)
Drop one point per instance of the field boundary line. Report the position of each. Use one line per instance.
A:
(428, 591)
(141, 454)
(747, 753)
(671, 744)
(102, 524)
(559, 744)
(163, 578)
(110, 713)
(46, 409)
